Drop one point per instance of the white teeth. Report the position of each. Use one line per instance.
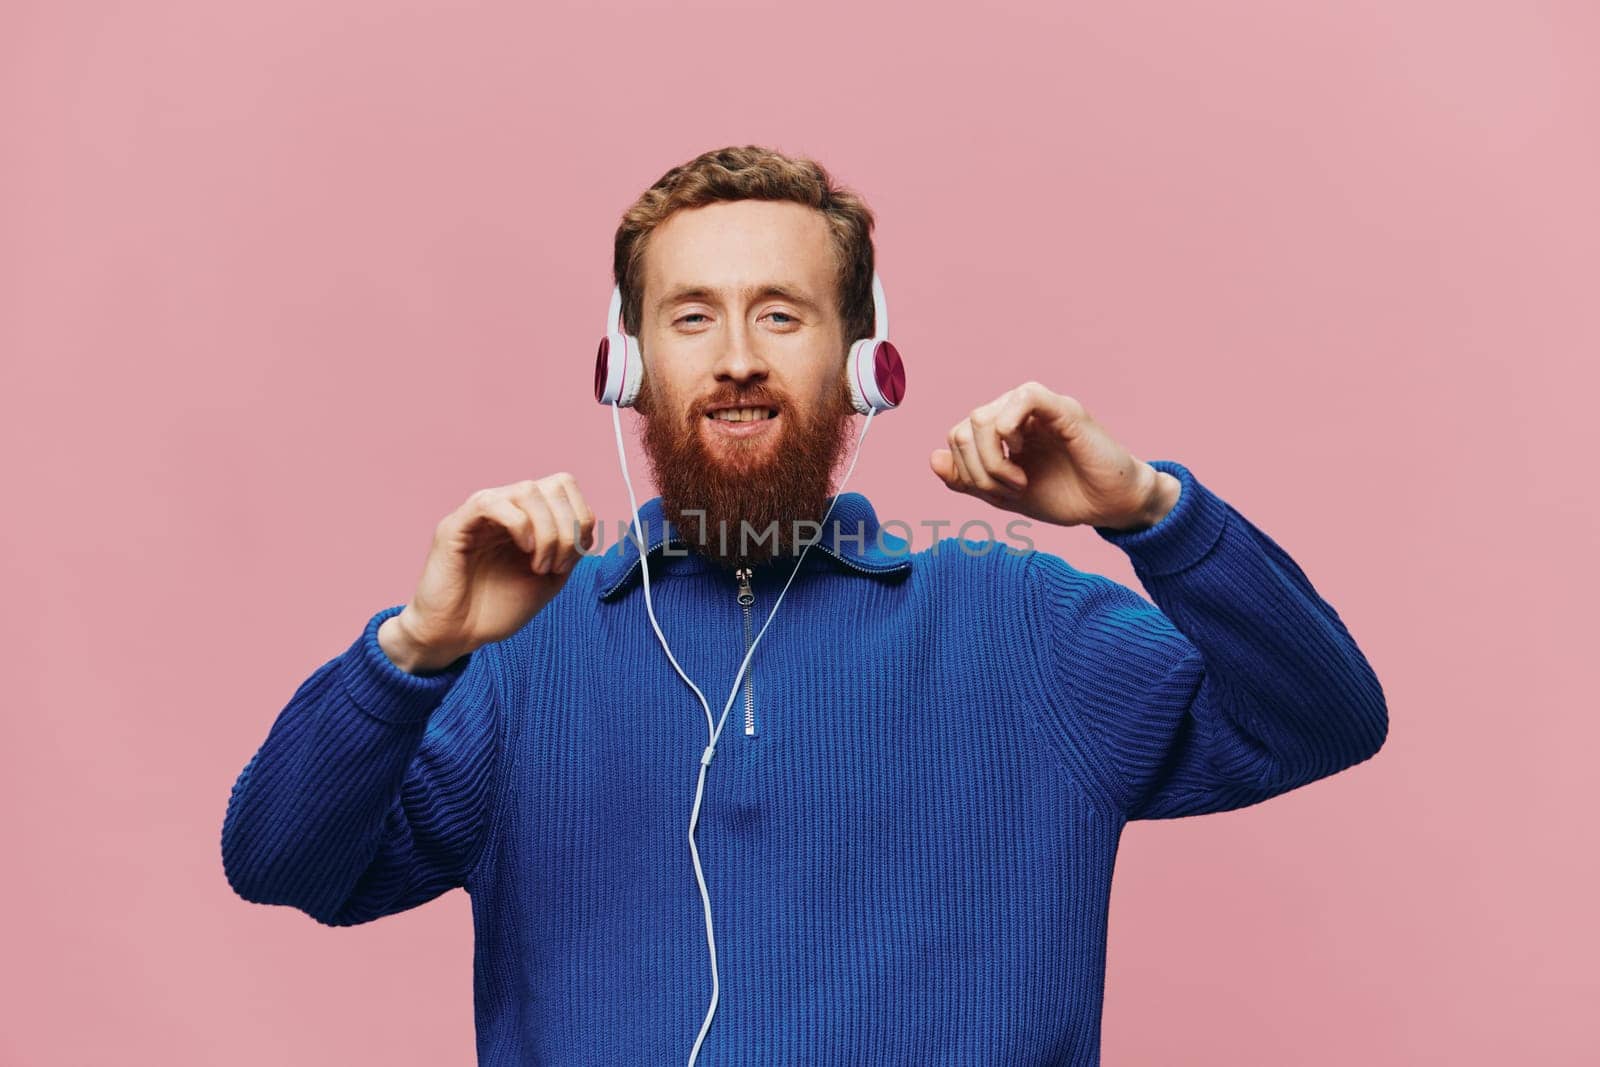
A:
(741, 414)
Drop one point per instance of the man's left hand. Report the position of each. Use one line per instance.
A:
(1041, 454)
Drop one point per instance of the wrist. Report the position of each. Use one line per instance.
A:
(1160, 496)
(408, 653)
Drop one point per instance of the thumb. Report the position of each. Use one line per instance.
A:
(943, 465)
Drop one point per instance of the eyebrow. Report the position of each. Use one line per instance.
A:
(784, 291)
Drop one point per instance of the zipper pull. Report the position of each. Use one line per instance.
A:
(747, 596)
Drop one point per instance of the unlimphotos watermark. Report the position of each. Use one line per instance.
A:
(887, 538)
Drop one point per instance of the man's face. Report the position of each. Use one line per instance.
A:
(746, 410)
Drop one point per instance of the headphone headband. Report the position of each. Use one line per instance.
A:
(614, 312)
(880, 310)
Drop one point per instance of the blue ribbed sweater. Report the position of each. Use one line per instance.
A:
(909, 860)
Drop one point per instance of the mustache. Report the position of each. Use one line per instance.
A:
(751, 397)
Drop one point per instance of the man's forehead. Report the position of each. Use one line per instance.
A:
(739, 252)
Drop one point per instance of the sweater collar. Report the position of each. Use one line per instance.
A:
(875, 553)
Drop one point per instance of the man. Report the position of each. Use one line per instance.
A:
(909, 837)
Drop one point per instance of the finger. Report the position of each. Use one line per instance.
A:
(566, 528)
(944, 465)
(965, 442)
(574, 518)
(1011, 423)
(963, 481)
(1061, 412)
(1007, 475)
(1013, 428)
(512, 519)
(581, 509)
(548, 535)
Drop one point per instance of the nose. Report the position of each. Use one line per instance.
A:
(737, 358)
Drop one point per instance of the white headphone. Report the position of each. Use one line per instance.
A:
(877, 377)
(877, 383)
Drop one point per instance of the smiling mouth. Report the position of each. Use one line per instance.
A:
(736, 415)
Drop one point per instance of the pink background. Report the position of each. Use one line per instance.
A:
(281, 283)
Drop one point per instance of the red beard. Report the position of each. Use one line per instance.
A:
(791, 479)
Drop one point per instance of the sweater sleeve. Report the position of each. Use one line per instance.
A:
(1238, 684)
(372, 792)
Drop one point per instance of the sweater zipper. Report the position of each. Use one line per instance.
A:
(747, 597)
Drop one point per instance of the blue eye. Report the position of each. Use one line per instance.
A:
(784, 315)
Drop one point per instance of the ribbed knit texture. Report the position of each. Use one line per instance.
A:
(909, 863)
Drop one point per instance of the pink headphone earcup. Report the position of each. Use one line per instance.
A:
(618, 370)
(890, 373)
(602, 369)
(877, 375)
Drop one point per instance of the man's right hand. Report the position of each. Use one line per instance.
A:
(495, 562)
